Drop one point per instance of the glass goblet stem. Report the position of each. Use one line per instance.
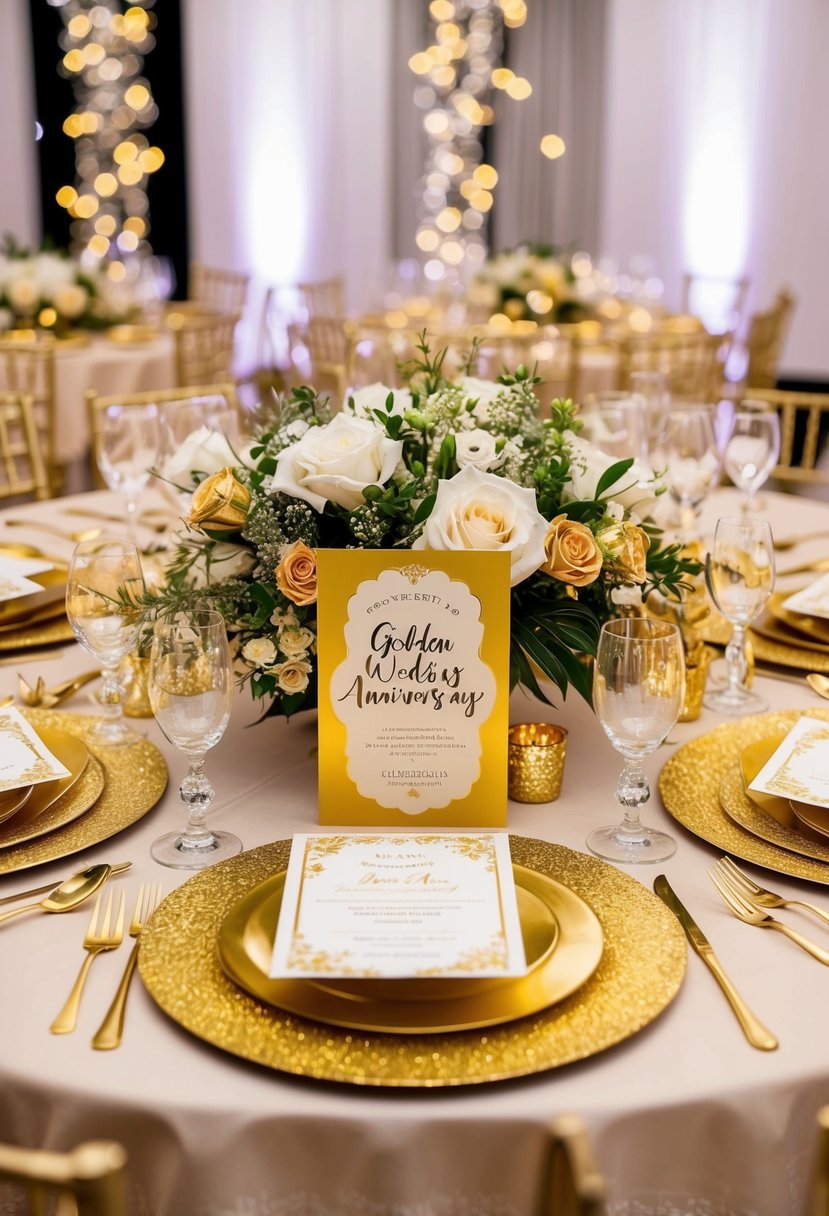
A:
(632, 791)
(196, 793)
(735, 657)
(112, 726)
(132, 515)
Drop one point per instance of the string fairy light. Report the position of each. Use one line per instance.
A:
(104, 46)
(455, 78)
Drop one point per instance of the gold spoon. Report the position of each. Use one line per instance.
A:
(784, 543)
(818, 684)
(68, 895)
(36, 526)
(117, 867)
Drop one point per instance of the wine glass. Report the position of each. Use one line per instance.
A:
(752, 449)
(651, 388)
(616, 423)
(692, 462)
(191, 689)
(103, 588)
(128, 448)
(739, 573)
(638, 690)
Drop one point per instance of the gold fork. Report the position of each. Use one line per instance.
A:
(111, 1030)
(752, 915)
(95, 943)
(761, 895)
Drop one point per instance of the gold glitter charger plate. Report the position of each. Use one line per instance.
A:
(717, 631)
(690, 788)
(41, 633)
(814, 627)
(55, 803)
(739, 807)
(639, 974)
(134, 778)
(563, 943)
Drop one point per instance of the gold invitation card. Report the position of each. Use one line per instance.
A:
(413, 687)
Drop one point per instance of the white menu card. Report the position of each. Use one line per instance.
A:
(799, 768)
(24, 757)
(812, 600)
(399, 905)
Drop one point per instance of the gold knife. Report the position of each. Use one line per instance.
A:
(751, 1026)
(117, 868)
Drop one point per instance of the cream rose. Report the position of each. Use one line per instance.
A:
(335, 463)
(24, 295)
(296, 574)
(70, 301)
(203, 451)
(295, 640)
(478, 510)
(572, 553)
(292, 675)
(373, 397)
(259, 652)
(636, 490)
(476, 448)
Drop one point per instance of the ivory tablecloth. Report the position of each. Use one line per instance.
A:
(685, 1117)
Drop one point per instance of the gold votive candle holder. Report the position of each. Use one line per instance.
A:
(696, 674)
(134, 673)
(535, 761)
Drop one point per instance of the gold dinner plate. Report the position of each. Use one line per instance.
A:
(768, 627)
(640, 972)
(41, 633)
(738, 804)
(117, 788)
(33, 820)
(423, 1006)
(39, 605)
(127, 334)
(716, 630)
(752, 759)
(814, 627)
(690, 788)
(12, 800)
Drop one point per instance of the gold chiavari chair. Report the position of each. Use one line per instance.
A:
(804, 429)
(28, 368)
(323, 299)
(93, 1175)
(574, 1186)
(691, 362)
(203, 346)
(222, 291)
(168, 397)
(324, 340)
(22, 468)
(767, 333)
(819, 1197)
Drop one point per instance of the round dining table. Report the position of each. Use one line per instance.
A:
(685, 1117)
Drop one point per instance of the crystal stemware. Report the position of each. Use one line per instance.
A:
(127, 449)
(616, 423)
(692, 462)
(652, 390)
(191, 691)
(739, 573)
(638, 690)
(752, 450)
(103, 587)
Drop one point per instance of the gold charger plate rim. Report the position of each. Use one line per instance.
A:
(750, 816)
(639, 975)
(689, 785)
(555, 976)
(45, 633)
(802, 622)
(11, 801)
(36, 819)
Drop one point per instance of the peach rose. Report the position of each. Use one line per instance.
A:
(628, 547)
(220, 503)
(572, 553)
(296, 574)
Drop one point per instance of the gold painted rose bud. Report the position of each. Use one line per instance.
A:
(296, 574)
(573, 556)
(220, 503)
(628, 547)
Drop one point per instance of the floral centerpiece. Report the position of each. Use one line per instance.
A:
(439, 465)
(533, 282)
(49, 290)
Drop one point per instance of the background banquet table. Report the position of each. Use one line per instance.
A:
(684, 1116)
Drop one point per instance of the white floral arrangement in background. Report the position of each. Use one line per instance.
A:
(534, 282)
(49, 290)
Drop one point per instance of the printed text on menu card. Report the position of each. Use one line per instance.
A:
(398, 906)
(799, 768)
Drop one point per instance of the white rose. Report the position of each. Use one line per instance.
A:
(203, 451)
(636, 490)
(6, 318)
(373, 397)
(292, 675)
(478, 510)
(296, 429)
(295, 640)
(71, 301)
(259, 652)
(23, 295)
(476, 448)
(335, 462)
(226, 561)
(482, 392)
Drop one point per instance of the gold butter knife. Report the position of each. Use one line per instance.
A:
(754, 1030)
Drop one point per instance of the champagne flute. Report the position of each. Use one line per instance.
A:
(752, 449)
(127, 449)
(652, 390)
(103, 588)
(191, 691)
(638, 690)
(739, 573)
(693, 462)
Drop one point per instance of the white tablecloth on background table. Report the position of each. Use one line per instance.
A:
(685, 1117)
(107, 367)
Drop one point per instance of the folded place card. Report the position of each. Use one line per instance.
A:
(413, 687)
(812, 600)
(799, 768)
(397, 906)
(24, 757)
